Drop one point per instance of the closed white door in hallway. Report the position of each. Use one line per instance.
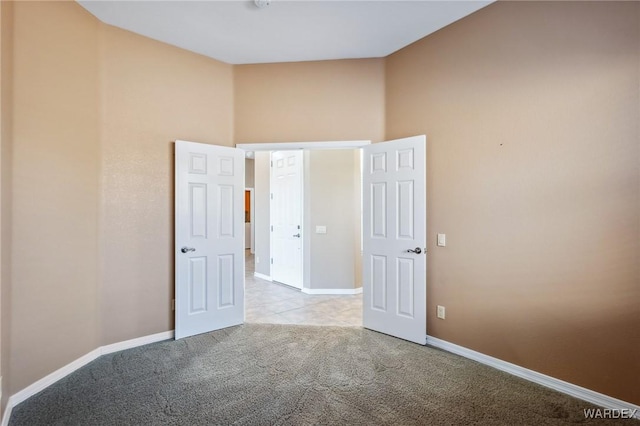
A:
(286, 217)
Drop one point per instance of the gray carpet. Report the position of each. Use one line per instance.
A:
(263, 374)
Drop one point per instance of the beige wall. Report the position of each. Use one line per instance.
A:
(6, 90)
(56, 141)
(309, 101)
(249, 173)
(152, 94)
(331, 189)
(262, 217)
(531, 113)
(95, 110)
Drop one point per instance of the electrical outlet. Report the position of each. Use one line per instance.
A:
(441, 312)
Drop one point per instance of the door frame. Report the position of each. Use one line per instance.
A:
(318, 145)
(287, 146)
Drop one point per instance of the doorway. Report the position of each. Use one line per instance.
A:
(332, 243)
(331, 220)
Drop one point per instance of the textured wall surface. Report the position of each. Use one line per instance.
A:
(309, 101)
(262, 216)
(152, 94)
(531, 111)
(55, 191)
(6, 136)
(249, 173)
(95, 111)
(332, 191)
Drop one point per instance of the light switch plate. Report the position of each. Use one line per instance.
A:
(321, 229)
(442, 240)
(441, 312)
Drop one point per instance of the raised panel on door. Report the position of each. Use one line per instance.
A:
(226, 214)
(378, 209)
(405, 287)
(404, 210)
(226, 280)
(198, 209)
(197, 163)
(378, 297)
(197, 285)
(226, 165)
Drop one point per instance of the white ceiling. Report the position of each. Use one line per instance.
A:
(238, 32)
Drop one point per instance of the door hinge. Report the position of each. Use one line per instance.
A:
(272, 164)
(272, 260)
(272, 195)
(173, 304)
(271, 228)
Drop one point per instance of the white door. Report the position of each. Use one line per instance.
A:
(394, 238)
(209, 240)
(286, 217)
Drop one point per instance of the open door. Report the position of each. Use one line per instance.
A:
(394, 238)
(209, 238)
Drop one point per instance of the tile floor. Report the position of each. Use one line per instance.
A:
(267, 302)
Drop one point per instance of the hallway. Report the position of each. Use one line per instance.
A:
(272, 303)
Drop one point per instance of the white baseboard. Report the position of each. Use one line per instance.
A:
(133, 343)
(332, 290)
(62, 372)
(6, 415)
(535, 377)
(7, 408)
(262, 276)
(50, 379)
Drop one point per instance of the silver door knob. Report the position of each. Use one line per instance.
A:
(187, 249)
(417, 250)
(296, 235)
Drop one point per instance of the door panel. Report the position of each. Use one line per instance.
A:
(405, 268)
(379, 283)
(379, 210)
(198, 210)
(197, 285)
(209, 192)
(394, 200)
